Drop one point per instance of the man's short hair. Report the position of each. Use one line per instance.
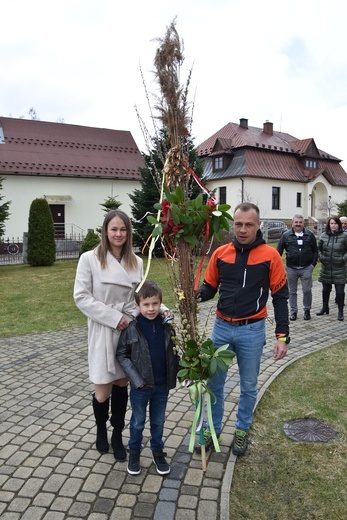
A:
(147, 290)
(298, 215)
(247, 206)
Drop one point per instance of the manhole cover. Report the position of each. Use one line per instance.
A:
(309, 430)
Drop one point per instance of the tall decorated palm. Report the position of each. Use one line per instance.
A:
(185, 224)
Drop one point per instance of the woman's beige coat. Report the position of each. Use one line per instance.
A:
(104, 296)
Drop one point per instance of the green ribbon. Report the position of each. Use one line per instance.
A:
(197, 391)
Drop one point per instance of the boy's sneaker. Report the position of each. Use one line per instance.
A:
(134, 462)
(208, 441)
(159, 460)
(240, 441)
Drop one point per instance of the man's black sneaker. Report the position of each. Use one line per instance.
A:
(293, 316)
(240, 441)
(159, 460)
(134, 462)
(208, 441)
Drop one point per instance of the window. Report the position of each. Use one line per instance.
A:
(276, 197)
(222, 195)
(298, 200)
(218, 163)
(311, 164)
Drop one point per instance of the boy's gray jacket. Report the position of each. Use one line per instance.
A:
(134, 357)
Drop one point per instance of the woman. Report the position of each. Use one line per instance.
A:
(332, 250)
(104, 292)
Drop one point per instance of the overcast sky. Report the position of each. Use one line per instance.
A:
(79, 60)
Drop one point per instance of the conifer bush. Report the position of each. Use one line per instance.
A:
(90, 241)
(41, 243)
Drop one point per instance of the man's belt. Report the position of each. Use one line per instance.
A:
(240, 323)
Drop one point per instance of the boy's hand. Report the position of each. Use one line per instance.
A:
(123, 324)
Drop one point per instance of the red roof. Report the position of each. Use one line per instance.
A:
(264, 153)
(30, 147)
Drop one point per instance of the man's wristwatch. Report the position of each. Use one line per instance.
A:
(285, 339)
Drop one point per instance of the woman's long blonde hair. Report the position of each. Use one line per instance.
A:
(130, 259)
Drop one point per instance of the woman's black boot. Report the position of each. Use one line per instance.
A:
(324, 310)
(101, 417)
(340, 298)
(119, 402)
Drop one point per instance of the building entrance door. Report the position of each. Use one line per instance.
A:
(58, 214)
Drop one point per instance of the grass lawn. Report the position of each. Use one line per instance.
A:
(35, 299)
(281, 479)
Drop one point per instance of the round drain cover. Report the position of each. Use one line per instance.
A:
(309, 430)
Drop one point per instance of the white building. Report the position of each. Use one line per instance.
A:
(280, 173)
(75, 168)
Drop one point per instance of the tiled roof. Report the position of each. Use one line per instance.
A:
(252, 136)
(31, 147)
(274, 155)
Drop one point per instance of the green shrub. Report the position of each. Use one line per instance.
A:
(41, 243)
(90, 241)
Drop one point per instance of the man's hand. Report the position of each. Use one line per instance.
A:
(197, 295)
(280, 349)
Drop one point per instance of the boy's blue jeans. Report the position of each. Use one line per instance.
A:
(157, 398)
(247, 341)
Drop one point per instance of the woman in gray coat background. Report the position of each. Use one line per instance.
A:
(332, 251)
(104, 291)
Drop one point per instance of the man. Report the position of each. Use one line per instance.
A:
(244, 271)
(301, 258)
(344, 223)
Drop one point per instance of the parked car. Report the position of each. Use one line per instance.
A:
(275, 229)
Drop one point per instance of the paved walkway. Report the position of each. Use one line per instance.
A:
(49, 468)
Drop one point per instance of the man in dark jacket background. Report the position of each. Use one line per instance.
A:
(301, 258)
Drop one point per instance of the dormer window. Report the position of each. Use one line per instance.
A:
(218, 163)
(311, 164)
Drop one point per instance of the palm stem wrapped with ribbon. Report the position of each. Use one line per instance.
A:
(186, 226)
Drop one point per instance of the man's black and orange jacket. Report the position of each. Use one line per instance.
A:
(243, 275)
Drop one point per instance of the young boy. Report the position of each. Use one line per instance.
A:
(145, 352)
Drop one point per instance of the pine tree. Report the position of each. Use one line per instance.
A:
(144, 198)
(342, 208)
(110, 203)
(4, 211)
(41, 243)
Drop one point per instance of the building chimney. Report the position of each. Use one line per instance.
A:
(268, 128)
(244, 122)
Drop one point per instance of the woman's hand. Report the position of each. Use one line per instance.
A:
(123, 324)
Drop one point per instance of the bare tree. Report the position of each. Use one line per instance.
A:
(327, 207)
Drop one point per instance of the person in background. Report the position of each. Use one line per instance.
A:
(146, 354)
(104, 291)
(344, 224)
(332, 250)
(301, 249)
(244, 272)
